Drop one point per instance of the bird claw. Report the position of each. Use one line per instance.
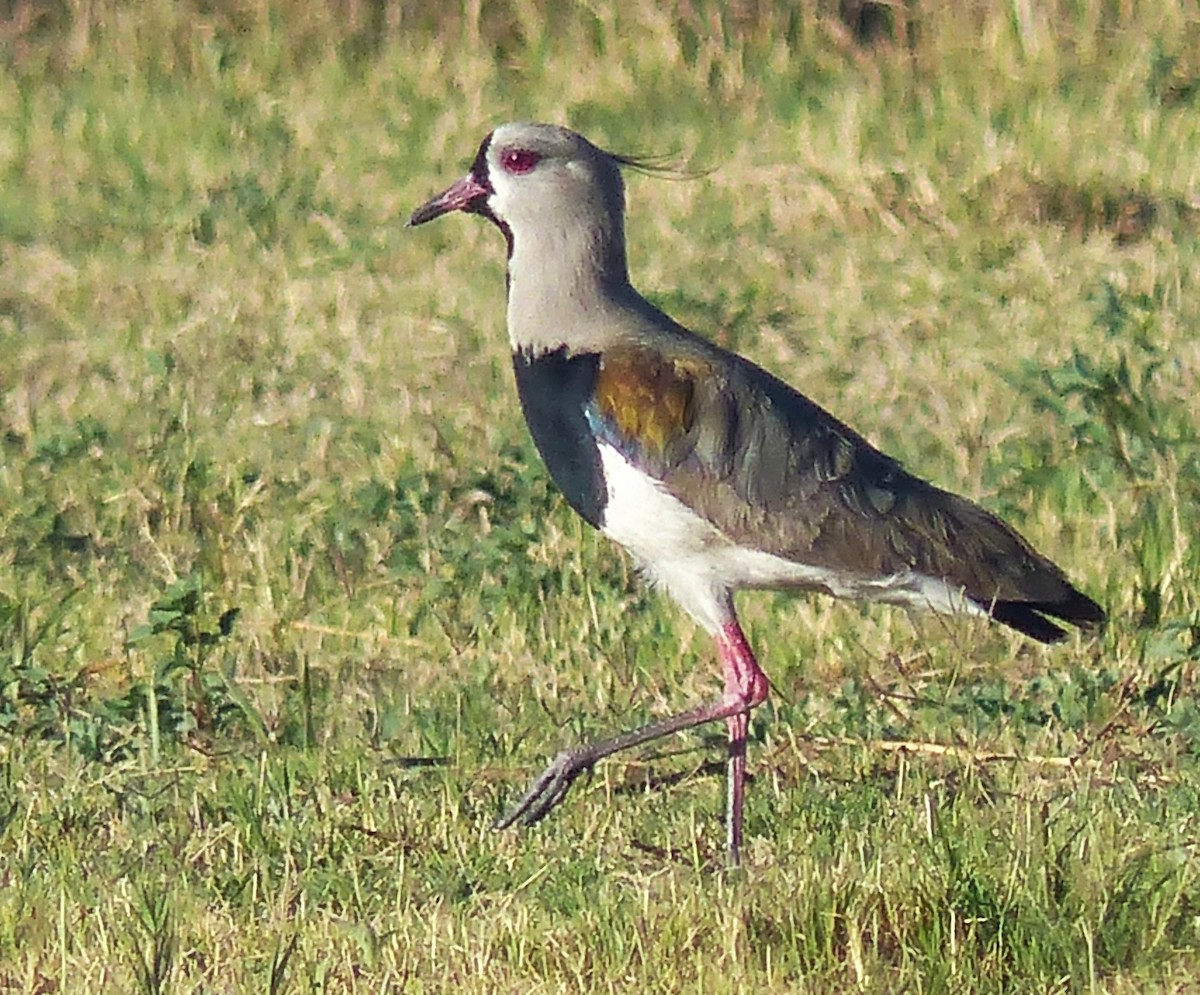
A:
(548, 790)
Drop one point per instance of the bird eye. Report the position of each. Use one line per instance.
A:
(519, 160)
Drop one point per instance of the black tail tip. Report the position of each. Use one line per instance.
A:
(1033, 618)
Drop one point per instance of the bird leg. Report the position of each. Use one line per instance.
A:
(745, 687)
(746, 683)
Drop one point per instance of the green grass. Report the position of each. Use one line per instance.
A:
(289, 610)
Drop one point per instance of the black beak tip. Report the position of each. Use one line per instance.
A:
(424, 213)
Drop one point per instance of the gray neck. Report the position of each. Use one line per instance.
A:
(567, 284)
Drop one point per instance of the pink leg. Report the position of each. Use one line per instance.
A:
(746, 685)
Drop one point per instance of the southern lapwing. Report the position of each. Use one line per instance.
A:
(713, 474)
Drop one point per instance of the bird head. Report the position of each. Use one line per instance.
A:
(526, 175)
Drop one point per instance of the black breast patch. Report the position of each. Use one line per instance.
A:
(555, 388)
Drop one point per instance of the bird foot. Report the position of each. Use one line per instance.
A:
(549, 789)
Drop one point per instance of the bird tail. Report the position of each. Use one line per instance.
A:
(1002, 573)
(1033, 618)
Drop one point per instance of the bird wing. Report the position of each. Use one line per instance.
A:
(773, 471)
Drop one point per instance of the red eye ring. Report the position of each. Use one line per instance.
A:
(519, 161)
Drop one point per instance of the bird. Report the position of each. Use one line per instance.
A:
(715, 475)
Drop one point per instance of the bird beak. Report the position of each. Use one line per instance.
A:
(465, 195)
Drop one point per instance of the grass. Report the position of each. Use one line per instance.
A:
(289, 610)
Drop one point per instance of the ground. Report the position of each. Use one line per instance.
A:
(289, 611)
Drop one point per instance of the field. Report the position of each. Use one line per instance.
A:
(290, 612)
